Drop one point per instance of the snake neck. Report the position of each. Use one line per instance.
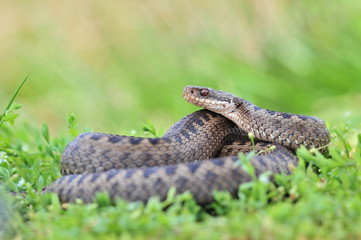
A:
(287, 129)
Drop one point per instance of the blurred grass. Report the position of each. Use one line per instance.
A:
(116, 64)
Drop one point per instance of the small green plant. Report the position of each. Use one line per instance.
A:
(149, 128)
(72, 124)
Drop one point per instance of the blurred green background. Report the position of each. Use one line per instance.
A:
(118, 63)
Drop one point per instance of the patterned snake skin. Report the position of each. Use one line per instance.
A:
(198, 154)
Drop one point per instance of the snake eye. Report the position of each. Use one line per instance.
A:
(204, 92)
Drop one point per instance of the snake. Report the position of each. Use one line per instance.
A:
(199, 154)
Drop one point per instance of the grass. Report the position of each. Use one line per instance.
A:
(321, 199)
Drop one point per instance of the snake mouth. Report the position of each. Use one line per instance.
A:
(208, 98)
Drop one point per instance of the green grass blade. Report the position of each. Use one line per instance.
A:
(15, 94)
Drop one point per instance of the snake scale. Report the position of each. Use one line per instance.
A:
(198, 154)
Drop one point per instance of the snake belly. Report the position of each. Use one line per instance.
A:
(191, 156)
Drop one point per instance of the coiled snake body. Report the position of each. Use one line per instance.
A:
(191, 156)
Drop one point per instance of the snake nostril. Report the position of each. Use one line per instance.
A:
(192, 91)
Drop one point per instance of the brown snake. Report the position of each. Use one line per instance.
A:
(191, 156)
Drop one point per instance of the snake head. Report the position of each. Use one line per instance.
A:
(213, 100)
